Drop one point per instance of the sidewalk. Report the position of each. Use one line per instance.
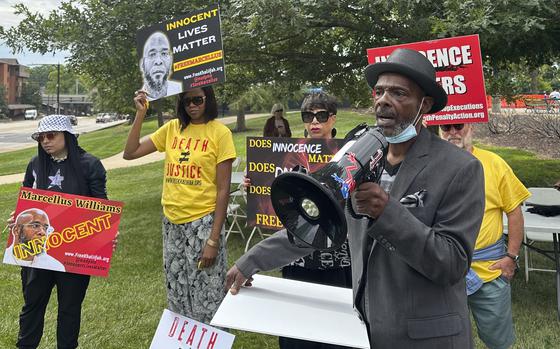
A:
(117, 161)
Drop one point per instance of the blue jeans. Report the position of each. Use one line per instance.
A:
(491, 309)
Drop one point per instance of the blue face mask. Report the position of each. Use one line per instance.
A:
(409, 132)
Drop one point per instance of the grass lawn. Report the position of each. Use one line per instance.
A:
(123, 310)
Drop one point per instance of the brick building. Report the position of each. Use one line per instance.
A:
(12, 77)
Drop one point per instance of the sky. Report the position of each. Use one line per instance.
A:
(9, 19)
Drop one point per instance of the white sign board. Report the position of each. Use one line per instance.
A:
(180, 332)
(294, 309)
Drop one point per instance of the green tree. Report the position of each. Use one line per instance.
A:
(101, 38)
(511, 31)
(39, 75)
(291, 43)
(3, 103)
(70, 81)
(31, 94)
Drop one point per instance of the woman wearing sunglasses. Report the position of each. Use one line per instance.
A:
(199, 152)
(318, 113)
(61, 165)
(277, 125)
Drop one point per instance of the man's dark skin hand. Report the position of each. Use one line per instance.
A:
(370, 199)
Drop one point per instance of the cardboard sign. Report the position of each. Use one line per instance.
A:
(294, 309)
(180, 332)
(63, 232)
(182, 53)
(268, 157)
(458, 64)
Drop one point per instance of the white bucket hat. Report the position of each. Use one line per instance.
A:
(50, 123)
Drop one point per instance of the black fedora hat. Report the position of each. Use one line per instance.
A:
(414, 66)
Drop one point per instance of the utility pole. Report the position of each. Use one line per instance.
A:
(58, 89)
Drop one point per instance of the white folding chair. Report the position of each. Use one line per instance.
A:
(235, 211)
(258, 231)
(539, 196)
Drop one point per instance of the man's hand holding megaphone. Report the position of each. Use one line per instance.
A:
(369, 199)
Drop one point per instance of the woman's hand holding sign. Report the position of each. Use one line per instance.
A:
(141, 103)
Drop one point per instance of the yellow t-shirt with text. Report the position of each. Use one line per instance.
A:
(189, 175)
(504, 192)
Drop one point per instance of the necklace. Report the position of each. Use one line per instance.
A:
(59, 159)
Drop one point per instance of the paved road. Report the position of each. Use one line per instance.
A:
(17, 134)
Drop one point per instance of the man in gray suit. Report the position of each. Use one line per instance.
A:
(410, 256)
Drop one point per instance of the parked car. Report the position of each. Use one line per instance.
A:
(73, 119)
(106, 117)
(30, 114)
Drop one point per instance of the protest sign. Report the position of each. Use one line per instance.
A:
(458, 64)
(182, 53)
(269, 157)
(180, 332)
(63, 232)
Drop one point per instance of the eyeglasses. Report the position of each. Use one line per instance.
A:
(279, 110)
(322, 116)
(37, 226)
(446, 128)
(196, 100)
(48, 135)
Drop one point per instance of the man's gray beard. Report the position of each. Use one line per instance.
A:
(397, 130)
(157, 88)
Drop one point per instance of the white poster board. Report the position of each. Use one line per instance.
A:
(180, 332)
(295, 309)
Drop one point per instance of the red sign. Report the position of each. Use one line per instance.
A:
(458, 64)
(63, 232)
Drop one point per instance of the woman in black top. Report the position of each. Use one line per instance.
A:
(62, 166)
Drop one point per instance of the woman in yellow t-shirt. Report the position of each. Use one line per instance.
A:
(199, 152)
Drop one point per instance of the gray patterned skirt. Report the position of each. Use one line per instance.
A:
(192, 292)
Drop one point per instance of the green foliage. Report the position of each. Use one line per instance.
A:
(30, 94)
(511, 79)
(101, 36)
(3, 102)
(292, 43)
(70, 81)
(39, 75)
(319, 43)
(508, 31)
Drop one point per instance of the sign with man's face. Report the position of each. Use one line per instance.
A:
(458, 65)
(63, 232)
(182, 53)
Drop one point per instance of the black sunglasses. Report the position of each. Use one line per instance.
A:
(49, 135)
(322, 116)
(446, 128)
(196, 100)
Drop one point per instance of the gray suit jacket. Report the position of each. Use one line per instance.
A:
(408, 266)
